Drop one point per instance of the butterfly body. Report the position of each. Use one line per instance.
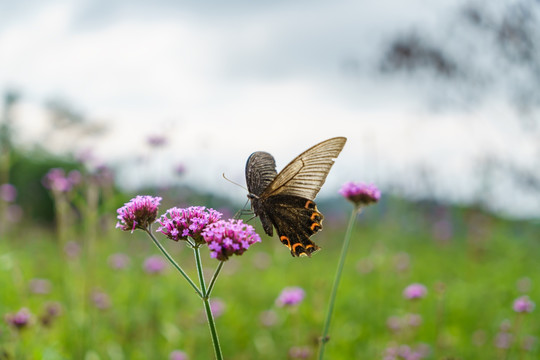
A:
(285, 201)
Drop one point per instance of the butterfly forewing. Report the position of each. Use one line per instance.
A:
(305, 175)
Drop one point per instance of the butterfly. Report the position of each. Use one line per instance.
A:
(285, 201)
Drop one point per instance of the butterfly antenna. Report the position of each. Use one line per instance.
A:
(235, 183)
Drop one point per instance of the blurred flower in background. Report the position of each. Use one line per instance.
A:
(290, 296)
(20, 319)
(119, 261)
(415, 291)
(523, 304)
(8, 192)
(154, 265)
(178, 355)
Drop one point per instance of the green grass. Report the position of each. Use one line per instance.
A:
(471, 279)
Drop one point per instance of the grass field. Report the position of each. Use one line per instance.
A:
(473, 265)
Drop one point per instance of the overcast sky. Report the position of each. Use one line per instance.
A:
(224, 79)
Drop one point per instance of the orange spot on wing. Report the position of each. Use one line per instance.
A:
(309, 204)
(315, 226)
(285, 241)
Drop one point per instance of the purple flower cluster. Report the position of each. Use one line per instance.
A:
(138, 213)
(217, 306)
(300, 352)
(360, 194)
(118, 261)
(156, 140)
(154, 264)
(523, 304)
(20, 319)
(101, 300)
(407, 321)
(225, 238)
(8, 192)
(52, 310)
(405, 352)
(57, 180)
(179, 224)
(178, 355)
(290, 296)
(415, 291)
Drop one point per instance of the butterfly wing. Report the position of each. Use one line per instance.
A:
(260, 172)
(296, 220)
(305, 175)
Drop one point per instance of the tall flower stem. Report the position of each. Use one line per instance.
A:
(346, 241)
(175, 264)
(206, 302)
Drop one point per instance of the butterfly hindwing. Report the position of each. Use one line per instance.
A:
(296, 220)
(260, 172)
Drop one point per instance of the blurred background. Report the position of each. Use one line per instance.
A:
(439, 99)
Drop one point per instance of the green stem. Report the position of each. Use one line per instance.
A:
(214, 278)
(175, 264)
(206, 302)
(325, 338)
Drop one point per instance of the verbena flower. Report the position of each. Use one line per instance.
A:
(300, 352)
(20, 319)
(154, 264)
(178, 355)
(523, 304)
(360, 194)
(138, 213)
(217, 306)
(227, 238)
(101, 300)
(40, 286)
(8, 192)
(156, 140)
(72, 249)
(406, 352)
(51, 311)
(179, 224)
(503, 340)
(57, 180)
(415, 291)
(290, 296)
(118, 261)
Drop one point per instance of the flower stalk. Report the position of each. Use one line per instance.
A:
(206, 302)
(360, 195)
(335, 286)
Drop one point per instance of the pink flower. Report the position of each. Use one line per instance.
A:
(20, 319)
(523, 304)
(227, 238)
(8, 192)
(217, 306)
(178, 355)
(360, 194)
(154, 264)
(290, 296)
(179, 224)
(138, 213)
(415, 291)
